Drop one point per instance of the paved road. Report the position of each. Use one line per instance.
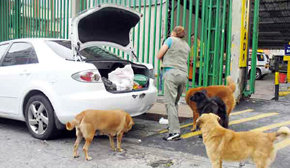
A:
(19, 149)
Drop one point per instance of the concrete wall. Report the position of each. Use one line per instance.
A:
(237, 73)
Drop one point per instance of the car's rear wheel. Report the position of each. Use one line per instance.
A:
(39, 116)
(258, 74)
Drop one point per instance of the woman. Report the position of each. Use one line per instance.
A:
(174, 53)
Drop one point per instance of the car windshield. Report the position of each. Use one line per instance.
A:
(63, 49)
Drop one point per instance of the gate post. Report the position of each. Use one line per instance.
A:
(237, 73)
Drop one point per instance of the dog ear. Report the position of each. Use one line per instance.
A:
(129, 122)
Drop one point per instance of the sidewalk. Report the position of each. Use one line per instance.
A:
(159, 108)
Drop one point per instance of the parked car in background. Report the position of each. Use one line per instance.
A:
(45, 83)
(262, 67)
(282, 64)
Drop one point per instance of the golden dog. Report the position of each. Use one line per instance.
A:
(111, 123)
(224, 144)
(226, 93)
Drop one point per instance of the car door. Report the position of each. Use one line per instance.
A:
(15, 72)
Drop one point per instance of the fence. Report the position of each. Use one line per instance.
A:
(208, 22)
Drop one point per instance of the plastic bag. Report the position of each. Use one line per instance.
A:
(123, 78)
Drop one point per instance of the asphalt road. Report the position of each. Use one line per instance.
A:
(143, 145)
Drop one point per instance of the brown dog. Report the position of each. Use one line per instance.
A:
(224, 144)
(223, 92)
(111, 123)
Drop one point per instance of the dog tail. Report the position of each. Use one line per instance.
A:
(75, 122)
(283, 132)
(231, 83)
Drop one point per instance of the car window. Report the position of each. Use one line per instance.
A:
(97, 53)
(20, 53)
(3, 48)
(63, 49)
(260, 57)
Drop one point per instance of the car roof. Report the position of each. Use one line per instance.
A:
(31, 40)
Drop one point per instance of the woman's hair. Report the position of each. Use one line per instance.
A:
(179, 30)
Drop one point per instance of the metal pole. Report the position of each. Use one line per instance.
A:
(195, 52)
(221, 61)
(254, 46)
(276, 79)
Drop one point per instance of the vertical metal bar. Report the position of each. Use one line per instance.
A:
(195, 38)
(221, 61)
(184, 13)
(16, 18)
(216, 44)
(38, 18)
(54, 16)
(7, 20)
(63, 19)
(51, 14)
(254, 46)
(85, 4)
(144, 29)
(189, 34)
(1, 20)
(60, 18)
(138, 38)
(229, 40)
(154, 33)
(13, 19)
(67, 19)
(20, 19)
(172, 16)
(42, 17)
(178, 13)
(166, 19)
(207, 55)
(133, 34)
(160, 40)
(276, 79)
(149, 32)
(202, 46)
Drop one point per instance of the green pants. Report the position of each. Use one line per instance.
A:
(174, 83)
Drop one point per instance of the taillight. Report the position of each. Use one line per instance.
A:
(90, 76)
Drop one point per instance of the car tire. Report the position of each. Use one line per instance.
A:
(39, 117)
(258, 74)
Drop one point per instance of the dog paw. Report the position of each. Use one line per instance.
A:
(193, 129)
(120, 149)
(76, 156)
(114, 149)
(88, 158)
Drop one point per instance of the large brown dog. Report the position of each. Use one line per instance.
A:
(111, 123)
(223, 92)
(224, 144)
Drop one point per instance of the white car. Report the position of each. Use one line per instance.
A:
(46, 83)
(263, 65)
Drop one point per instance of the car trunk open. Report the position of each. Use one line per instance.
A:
(106, 25)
